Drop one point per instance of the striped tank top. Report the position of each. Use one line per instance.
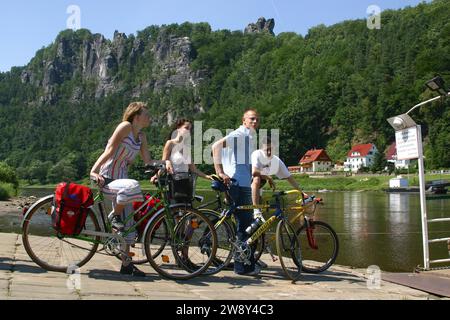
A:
(117, 166)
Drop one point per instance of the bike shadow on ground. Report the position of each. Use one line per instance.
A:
(111, 275)
(9, 264)
(201, 281)
(277, 273)
(232, 279)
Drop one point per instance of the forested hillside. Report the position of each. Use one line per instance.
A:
(330, 89)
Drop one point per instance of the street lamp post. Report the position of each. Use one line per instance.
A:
(408, 136)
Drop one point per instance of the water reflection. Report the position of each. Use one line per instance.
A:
(398, 204)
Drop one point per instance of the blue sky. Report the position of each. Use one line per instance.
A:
(26, 26)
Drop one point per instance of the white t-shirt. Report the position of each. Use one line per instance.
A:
(236, 157)
(269, 166)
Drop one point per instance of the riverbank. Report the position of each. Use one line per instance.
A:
(309, 183)
(22, 279)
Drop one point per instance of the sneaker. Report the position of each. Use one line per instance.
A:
(131, 270)
(117, 223)
(254, 272)
(262, 264)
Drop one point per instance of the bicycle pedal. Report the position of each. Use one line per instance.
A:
(165, 259)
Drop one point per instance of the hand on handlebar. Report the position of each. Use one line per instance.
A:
(226, 179)
(154, 179)
(169, 167)
(272, 184)
(98, 179)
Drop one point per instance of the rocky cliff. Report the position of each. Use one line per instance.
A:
(92, 60)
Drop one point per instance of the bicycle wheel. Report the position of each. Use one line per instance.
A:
(260, 247)
(289, 252)
(137, 251)
(188, 249)
(225, 236)
(53, 253)
(320, 246)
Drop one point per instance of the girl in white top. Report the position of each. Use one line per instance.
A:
(177, 151)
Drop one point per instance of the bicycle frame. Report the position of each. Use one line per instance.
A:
(107, 228)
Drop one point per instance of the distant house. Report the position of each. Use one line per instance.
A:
(315, 161)
(339, 166)
(360, 156)
(295, 169)
(391, 156)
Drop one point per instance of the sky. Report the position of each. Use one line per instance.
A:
(27, 26)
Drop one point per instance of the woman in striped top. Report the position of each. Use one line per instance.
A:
(111, 170)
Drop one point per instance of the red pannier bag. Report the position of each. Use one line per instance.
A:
(139, 215)
(71, 208)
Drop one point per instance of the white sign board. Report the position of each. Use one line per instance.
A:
(407, 144)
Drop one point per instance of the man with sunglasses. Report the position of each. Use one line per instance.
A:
(232, 159)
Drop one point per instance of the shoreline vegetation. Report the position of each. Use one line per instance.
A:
(370, 182)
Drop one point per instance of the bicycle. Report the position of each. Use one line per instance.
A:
(288, 246)
(172, 236)
(319, 242)
(225, 226)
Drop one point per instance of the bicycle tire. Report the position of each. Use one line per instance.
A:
(260, 246)
(139, 250)
(169, 264)
(288, 250)
(225, 235)
(317, 260)
(37, 228)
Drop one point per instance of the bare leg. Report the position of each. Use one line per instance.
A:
(118, 209)
(126, 259)
(255, 189)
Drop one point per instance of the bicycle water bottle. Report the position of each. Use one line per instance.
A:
(254, 226)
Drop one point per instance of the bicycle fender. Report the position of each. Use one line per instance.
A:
(25, 217)
(152, 219)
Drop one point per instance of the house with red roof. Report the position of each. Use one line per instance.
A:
(361, 155)
(315, 161)
(391, 156)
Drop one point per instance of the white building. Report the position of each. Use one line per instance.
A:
(316, 160)
(361, 155)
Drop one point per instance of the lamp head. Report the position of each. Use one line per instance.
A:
(401, 122)
(437, 84)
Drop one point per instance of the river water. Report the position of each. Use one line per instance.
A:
(374, 228)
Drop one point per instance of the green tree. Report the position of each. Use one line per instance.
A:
(63, 171)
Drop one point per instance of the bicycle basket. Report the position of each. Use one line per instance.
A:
(182, 187)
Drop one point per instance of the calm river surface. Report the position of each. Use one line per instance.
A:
(374, 228)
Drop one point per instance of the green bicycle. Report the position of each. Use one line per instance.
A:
(172, 237)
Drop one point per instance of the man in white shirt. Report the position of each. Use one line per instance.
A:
(264, 165)
(232, 161)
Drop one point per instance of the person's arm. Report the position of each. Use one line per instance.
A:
(145, 154)
(165, 158)
(193, 168)
(293, 183)
(119, 134)
(217, 156)
(270, 180)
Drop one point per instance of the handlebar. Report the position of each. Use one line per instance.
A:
(154, 166)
